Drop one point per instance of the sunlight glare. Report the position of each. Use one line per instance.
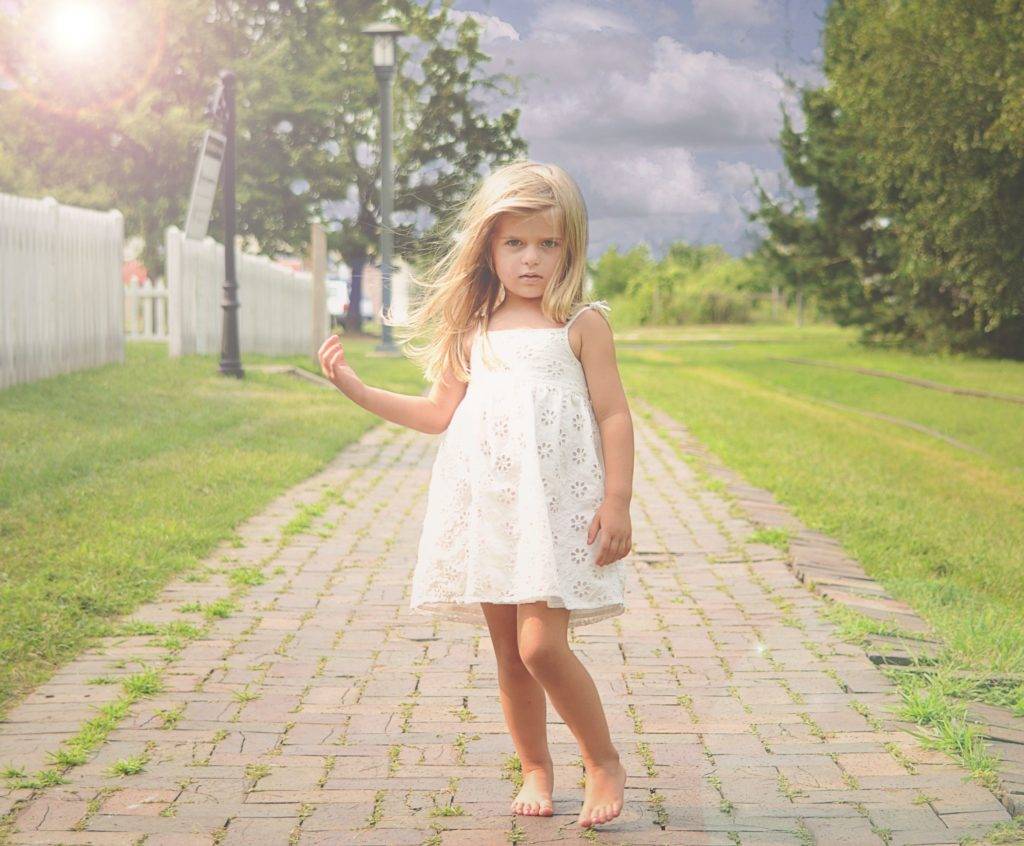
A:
(78, 28)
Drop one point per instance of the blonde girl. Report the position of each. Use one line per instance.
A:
(527, 517)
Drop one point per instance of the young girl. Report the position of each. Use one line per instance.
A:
(527, 512)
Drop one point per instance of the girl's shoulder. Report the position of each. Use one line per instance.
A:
(598, 305)
(576, 339)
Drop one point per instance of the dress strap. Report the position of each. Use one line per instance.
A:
(601, 305)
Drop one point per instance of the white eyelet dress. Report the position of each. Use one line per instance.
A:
(517, 479)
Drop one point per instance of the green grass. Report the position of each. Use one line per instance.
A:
(113, 480)
(129, 766)
(940, 527)
(447, 811)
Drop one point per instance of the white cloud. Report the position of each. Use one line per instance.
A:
(572, 17)
(644, 182)
(740, 194)
(659, 94)
(491, 28)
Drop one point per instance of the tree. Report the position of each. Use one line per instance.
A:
(913, 151)
(613, 271)
(843, 254)
(936, 92)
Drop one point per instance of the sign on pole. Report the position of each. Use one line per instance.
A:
(204, 184)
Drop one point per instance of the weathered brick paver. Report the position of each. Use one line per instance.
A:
(319, 710)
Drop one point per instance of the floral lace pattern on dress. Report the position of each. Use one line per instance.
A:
(518, 477)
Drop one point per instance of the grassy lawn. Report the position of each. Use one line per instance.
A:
(115, 479)
(940, 525)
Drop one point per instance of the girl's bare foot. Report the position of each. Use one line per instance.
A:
(603, 792)
(534, 799)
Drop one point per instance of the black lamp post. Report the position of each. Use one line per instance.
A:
(384, 37)
(230, 359)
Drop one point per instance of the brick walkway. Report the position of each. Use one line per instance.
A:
(320, 711)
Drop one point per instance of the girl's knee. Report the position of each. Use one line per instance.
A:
(507, 658)
(539, 655)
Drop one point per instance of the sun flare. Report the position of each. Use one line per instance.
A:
(78, 29)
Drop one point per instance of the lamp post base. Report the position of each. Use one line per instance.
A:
(387, 348)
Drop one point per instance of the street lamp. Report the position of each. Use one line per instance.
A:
(222, 107)
(384, 37)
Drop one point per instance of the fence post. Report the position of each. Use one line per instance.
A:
(49, 328)
(115, 303)
(175, 292)
(318, 261)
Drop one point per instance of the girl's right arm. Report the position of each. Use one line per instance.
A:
(430, 414)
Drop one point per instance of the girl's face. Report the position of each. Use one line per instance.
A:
(525, 250)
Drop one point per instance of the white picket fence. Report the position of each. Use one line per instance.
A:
(275, 302)
(61, 295)
(145, 310)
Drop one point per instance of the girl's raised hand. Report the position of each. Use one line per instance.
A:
(336, 369)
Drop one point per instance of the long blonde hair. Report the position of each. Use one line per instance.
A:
(461, 288)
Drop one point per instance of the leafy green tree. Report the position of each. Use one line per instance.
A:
(843, 254)
(935, 88)
(913, 152)
(613, 271)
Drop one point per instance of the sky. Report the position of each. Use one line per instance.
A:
(662, 110)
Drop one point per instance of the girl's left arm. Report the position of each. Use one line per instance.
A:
(597, 355)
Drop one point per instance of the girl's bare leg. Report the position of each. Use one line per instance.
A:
(544, 648)
(522, 700)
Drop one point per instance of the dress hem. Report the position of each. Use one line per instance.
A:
(468, 610)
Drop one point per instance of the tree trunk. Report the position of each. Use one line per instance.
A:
(354, 318)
